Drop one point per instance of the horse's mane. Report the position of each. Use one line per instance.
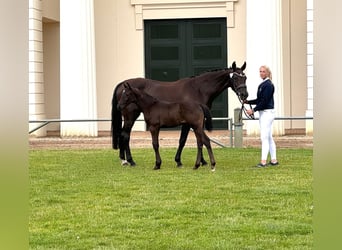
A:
(212, 70)
(152, 98)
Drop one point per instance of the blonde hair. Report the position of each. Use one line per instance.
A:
(268, 71)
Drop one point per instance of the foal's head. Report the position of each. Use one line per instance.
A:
(128, 96)
(238, 81)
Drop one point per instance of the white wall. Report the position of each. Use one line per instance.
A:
(119, 51)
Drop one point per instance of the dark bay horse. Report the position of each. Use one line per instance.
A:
(159, 114)
(202, 89)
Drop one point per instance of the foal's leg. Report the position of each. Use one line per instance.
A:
(155, 143)
(182, 140)
(207, 144)
(199, 147)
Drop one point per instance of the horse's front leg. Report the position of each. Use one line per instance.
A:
(125, 150)
(182, 140)
(122, 149)
(155, 143)
(128, 151)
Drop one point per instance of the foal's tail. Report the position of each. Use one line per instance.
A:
(116, 121)
(208, 118)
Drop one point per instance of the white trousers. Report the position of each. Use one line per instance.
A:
(266, 118)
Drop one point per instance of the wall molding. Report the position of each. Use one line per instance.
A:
(177, 9)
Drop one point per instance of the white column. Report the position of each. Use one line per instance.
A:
(309, 111)
(264, 47)
(78, 71)
(36, 76)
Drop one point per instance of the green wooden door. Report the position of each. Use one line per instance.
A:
(176, 49)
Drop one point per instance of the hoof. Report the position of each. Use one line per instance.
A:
(204, 163)
(124, 163)
(156, 168)
(179, 164)
(195, 167)
(132, 163)
(213, 169)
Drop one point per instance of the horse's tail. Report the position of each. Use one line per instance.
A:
(116, 121)
(208, 118)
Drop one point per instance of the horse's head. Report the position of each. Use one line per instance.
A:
(238, 80)
(127, 97)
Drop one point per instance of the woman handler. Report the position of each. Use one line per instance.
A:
(265, 106)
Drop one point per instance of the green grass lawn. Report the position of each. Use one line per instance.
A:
(84, 199)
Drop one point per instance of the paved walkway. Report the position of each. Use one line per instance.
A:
(166, 139)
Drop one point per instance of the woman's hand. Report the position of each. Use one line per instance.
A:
(250, 111)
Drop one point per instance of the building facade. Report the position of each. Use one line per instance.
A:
(80, 50)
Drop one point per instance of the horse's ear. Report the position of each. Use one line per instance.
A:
(234, 66)
(136, 91)
(126, 84)
(243, 67)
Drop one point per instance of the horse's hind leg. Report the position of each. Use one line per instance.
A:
(204, 162)
(199, 148)
(182, 140)
(199, 153)
(207, 144)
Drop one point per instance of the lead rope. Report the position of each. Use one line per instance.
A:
(243, 108)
